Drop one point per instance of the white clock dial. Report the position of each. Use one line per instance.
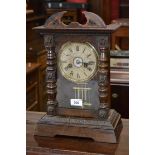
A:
(77, 61)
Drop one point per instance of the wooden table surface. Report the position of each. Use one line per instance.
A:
(34, 149)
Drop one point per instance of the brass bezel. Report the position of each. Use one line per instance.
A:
(64, 73)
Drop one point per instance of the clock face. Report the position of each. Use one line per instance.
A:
(77, 61)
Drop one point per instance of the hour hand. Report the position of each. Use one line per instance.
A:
(85, 64)
(68, 66)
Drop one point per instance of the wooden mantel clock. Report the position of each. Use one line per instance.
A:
(78, 80)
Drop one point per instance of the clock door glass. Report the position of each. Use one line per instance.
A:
(77, 87)
(78, 61)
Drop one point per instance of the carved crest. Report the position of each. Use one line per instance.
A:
(92, 21)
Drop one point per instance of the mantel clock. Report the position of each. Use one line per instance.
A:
(78, 80)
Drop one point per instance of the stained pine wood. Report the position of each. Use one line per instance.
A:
(106, 126)
(94, 31)
(62, 143)
(105, 130)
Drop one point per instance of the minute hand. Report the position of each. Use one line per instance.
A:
(85, 64)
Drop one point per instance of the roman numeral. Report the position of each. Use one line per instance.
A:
(89, 69)
(77, 48)
(70, 50)
(78, 76)
(71, 73)
(84, 50)
(88, 55)
(66, 68)
(85, 74)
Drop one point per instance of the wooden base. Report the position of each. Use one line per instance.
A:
(76, 146)
(107, 130)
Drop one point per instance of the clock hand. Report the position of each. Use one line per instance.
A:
(68, 66)
(85, 64)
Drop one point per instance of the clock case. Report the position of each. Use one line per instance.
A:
(100, 123)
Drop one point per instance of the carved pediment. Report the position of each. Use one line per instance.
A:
(92, 21)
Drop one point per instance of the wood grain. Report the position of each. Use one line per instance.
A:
(122, 148)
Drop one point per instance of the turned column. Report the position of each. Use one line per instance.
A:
(104, 77)
(51, 74)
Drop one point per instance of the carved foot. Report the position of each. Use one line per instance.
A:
(51, 108)
(102, 113)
